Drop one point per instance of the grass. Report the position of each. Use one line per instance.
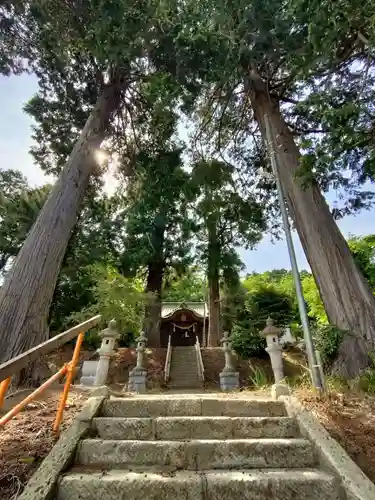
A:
(258, 378)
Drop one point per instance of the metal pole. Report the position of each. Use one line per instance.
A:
(314, 368)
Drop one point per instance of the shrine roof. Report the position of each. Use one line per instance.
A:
(169, 308)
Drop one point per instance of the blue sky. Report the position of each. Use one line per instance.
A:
(15, 141)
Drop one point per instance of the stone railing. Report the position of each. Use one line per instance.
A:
(167, 367)
(200, 364)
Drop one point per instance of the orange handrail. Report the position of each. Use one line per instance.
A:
(3, 390)
(68, 382)
(20, 406)
(11, 367)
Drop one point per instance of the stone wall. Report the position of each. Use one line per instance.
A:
(125, 360)
(213, 360)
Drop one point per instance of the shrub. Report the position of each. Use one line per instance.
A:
(116, 297)
(268, 301)
(247, 343)
(92, 340)
(327, 340)
(366, 381)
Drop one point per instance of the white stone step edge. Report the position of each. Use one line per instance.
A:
(198, 454)
(198, 427)
(231, 485)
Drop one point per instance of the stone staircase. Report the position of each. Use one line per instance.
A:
(184, 369)
(195, 448)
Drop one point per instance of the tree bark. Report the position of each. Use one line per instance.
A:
(213, 259)
(154, 285)
(346, 295)
(26, 296)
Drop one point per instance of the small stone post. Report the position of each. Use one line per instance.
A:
(107, 350)
(137, 377)
(229, 378)
(271, 333)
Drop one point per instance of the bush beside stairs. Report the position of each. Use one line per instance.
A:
(195, 448)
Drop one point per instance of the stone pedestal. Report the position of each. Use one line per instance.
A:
(106, 351)
(229, 381)
(137, 381)
(278, 390)
(89, 373)
(229, 378)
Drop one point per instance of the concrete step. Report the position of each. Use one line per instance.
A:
(183, 348)
(184, 380)
(185, 385)
(148, 407)
(184, 355)
(175, 428)
(182, 364)
(212, 485)
(184, 370)
(198, 454)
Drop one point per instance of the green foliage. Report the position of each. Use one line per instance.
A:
(366, 381)
(336, 383)
(327, 339)
(269, 296)
(19, 208)
(363, 251)
(191, 286)
(92, 340)
(267, 302)
(246, 342)
(157, 221)
(316, 63)
(315, 305)
(115, 297)
(237, 215)
(258, 378)
(232, 291)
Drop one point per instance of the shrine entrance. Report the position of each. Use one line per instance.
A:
(184, 323)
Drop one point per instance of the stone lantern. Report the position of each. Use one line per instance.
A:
(229, 378)
(272, 335)
(137, 377)
(107, 350)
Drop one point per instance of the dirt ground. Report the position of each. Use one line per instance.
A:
(350, 419)
(28, 438)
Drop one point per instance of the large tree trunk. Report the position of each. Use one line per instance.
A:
(346, 295)
(154, 285)
(213, 258)
(26, 296)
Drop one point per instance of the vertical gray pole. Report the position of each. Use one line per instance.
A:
(204, 324)
(314, 368)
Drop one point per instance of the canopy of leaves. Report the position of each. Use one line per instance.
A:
(157, 207)
(363, 251)
(116, 297)
(325, 90)
(19, 207)
(191, 286)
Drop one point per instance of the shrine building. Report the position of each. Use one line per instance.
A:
(184, 322)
